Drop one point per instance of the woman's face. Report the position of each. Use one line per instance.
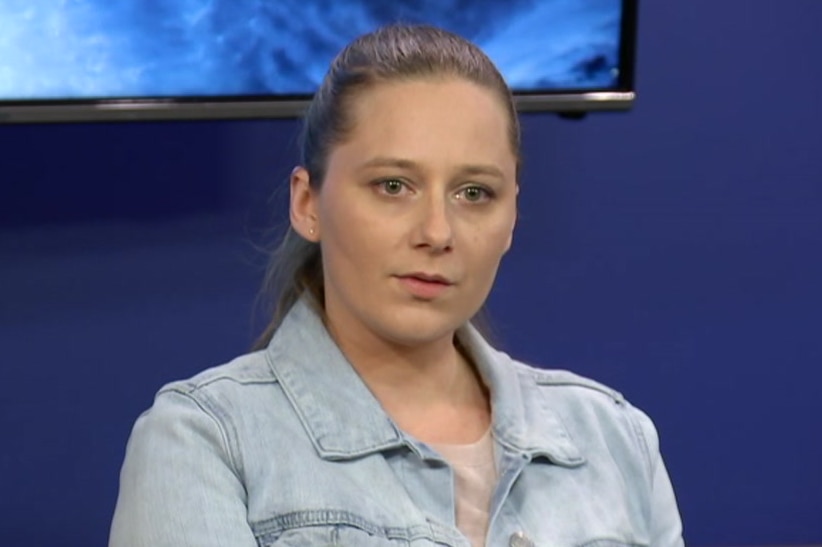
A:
(416, 210)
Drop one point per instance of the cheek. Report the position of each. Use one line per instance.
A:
(488, 250)
(343, 208)
(491, 236)
(351, 241)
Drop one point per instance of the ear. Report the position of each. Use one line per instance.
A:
(513, 225)
(303, 211)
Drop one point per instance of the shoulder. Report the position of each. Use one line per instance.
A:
(565, 380)
(238, 381)
(591, 410)
(227, 395)
(248, 369)
(222, 410)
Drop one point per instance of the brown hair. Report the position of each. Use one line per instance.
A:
(391, 53)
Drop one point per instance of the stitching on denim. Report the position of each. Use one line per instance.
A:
(604, 542)
(271, 528)
(235, 371)
(292, 399)
(229, 440)
(643, 442)
(566, 378)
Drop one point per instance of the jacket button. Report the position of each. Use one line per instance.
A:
(519, 539)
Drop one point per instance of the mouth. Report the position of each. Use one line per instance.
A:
(427, 278)
(425, 286)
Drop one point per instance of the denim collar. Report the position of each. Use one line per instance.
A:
(309, 365)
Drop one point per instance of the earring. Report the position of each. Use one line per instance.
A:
(311, 231)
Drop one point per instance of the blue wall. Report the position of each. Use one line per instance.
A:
(673, 252)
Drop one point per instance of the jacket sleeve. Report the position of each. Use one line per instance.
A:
(179, 485)
(665, 521)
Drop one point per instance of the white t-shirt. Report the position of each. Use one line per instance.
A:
(475, 476)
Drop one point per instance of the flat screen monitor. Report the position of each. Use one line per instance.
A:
(104, 60)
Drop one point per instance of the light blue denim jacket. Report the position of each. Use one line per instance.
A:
(288, 447)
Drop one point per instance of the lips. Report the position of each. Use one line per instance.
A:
(429, 278)
(425, 286)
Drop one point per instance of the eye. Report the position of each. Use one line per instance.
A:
(474, 194)
(391, 187)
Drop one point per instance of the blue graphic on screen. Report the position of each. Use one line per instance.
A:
(203, 48)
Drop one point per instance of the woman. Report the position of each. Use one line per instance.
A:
(374, 413)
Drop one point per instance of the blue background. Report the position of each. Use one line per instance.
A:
(673, 252)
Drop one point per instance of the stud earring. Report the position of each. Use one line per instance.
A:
(311, 231)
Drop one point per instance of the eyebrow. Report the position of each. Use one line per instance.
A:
(467, 169)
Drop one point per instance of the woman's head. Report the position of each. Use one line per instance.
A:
(385, 94)
(391, 54)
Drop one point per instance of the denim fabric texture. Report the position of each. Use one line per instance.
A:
(288, 447)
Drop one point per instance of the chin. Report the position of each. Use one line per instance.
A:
(419, 327)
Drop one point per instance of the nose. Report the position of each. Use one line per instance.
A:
(435, 229)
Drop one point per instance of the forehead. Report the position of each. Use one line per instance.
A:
(430, 121)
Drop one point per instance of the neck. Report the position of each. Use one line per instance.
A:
(420, 371)
(431, 390)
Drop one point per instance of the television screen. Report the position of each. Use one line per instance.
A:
(137, 59)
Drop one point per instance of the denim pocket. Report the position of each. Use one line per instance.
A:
(299, 537)
(611, 543)
(340, 529)
(341, 536)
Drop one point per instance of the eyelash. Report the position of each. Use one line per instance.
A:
(488, 194)
(382, 185)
